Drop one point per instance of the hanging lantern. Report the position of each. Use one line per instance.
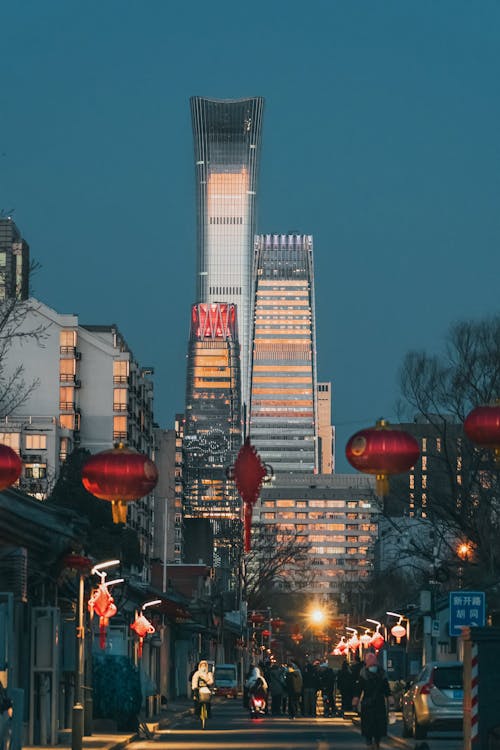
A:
(297, 638)
(266, 633)
(120, 476)
(143, 627)
(277, 624)
(382, 451)
(342, 645)
(248, 472)
(365, 639)
(10, 467)
(256, 618)
(102, 603)
(482, 426)
(398, 631)
(377, 640)
(354, 642)
(337, 651)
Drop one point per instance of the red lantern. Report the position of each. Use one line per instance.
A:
(256, 618)
(354, 642)
(342, 646)
(120, 476)
(142, 627)
(297, 638)
(381, 451)
(482, 426)
(10, 467)
(277, 624)
(102, 603)
(398, 631)
(377, 641)
(365, 639)
(266, 633)
(248, 473)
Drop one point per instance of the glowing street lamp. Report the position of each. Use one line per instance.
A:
(398, 630)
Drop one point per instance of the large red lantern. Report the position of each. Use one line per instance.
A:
(382, 451)
(102, 603)
(120, 476)
(482, 426)
(256, 618)
(10, 467)
(377, 640)
(143, 627)
(297, 638)
(248, 472)
(277, 623)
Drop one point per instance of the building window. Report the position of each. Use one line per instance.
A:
(119, 428)
(36, 442)
(12, 439)
(67, 370)
(120, 399)
(120, 371)
(66, 398)
(35, 471)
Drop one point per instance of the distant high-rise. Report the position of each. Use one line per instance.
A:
(326, 432)
(212, 428)
(283, 404)
(227, 137)
(14, 262)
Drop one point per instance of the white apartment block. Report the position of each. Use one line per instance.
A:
(337, 514)
(90, 392)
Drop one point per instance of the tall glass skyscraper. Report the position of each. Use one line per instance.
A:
(212, 429)
(227, 138)
(283, 404)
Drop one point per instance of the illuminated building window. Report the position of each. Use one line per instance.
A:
(120, 371)
(12, 439)
(412, 481)
(35, 442)
(35, 471)
(424, 481)
(285, 503)
(438, 445)
(119, 428)
(67, 370)
(424, 445)
(120, 396)
(424, 463)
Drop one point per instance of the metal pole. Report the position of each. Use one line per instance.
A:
(77, 722)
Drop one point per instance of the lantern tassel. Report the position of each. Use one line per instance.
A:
(139, 648)
(248, 526)
(382, 485)
(119, 510)
(102, 632)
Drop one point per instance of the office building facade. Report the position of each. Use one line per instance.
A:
(212, 427)
(283, 403)
(326, 431)
(14, 262)
(227, 139)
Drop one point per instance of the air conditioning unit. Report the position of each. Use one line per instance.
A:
(78, 355)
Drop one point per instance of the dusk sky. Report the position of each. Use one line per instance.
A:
(381, 137)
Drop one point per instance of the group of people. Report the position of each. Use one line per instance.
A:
(288, 689)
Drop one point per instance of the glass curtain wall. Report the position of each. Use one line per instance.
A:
(227, 137)
(283, 412)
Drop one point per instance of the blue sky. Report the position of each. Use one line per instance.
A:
(381, 138)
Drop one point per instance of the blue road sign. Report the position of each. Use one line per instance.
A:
(467, 609)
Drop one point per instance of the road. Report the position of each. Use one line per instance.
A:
(230, 728)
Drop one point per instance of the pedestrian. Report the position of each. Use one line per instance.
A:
(293, 683)
(346, 686)
(370, 692)
(276, 683)
(310, 687)
(327, 687)
(6, 714)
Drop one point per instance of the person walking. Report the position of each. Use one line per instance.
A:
(345, 685)
(310, 687)
(293, 684)
(327, 687)
(371, 691)
(276, 682)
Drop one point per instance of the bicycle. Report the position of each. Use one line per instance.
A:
(203, 714)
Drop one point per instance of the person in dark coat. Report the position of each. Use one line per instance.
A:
(6, 713)
(345, 684)
(293, 684)
(327, 687)
(276, 682)
(310, 687)
(372, 690)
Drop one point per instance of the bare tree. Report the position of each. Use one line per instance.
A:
(464, 501)
(14, 327)
(278, 561)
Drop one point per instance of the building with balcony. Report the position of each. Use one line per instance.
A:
(337, 515)
(227, 140)
(14, 262)
(283, 403)
(88, 391)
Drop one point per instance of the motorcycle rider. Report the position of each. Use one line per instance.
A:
(202, 682)
(257, 685)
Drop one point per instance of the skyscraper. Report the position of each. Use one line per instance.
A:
(227, 136)
(326, 432)
(212, 429)
(283, 404)
(14, 262)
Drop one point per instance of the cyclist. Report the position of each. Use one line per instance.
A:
(201, 683)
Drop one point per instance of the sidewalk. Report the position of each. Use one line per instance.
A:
(117, 740)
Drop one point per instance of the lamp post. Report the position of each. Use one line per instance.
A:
(77, 723)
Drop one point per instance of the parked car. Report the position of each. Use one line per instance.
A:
(226, 680)
(434, 700)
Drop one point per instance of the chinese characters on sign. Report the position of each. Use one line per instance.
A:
(467, 609)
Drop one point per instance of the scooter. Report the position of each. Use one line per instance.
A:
(257, 705)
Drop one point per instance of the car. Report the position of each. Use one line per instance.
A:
(226, 680)
(434, 700)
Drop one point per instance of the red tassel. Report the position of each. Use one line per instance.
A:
(102, 633)
(139, 648)
(248, 526)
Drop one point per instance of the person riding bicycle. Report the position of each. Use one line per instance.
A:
(201, 686)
